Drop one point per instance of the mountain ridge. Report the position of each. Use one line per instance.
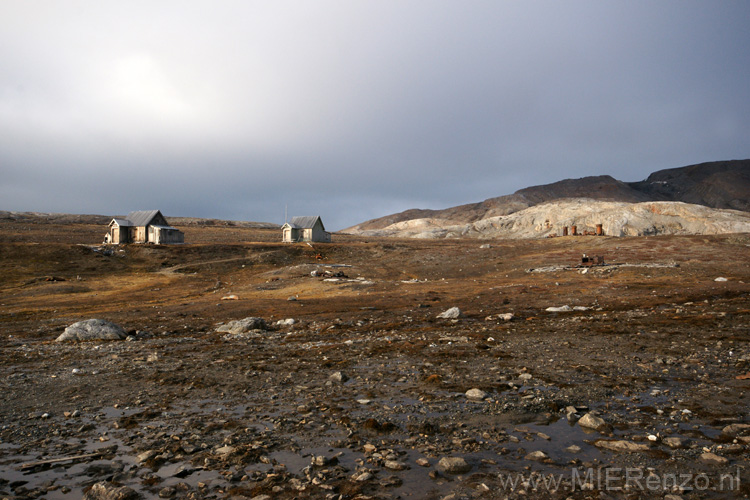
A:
(720, 184)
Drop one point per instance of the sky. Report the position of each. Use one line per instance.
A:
(356, 109)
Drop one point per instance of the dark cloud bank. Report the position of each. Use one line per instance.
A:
(353, 110)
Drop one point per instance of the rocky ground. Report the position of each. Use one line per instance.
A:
(637, 389)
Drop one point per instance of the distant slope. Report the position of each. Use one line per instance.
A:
(724, 184)
(546, 219)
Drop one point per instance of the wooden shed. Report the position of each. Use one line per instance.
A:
(308, 228)
(145, 226)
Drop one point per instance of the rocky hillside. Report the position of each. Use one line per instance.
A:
(549, 219)
(724, 185)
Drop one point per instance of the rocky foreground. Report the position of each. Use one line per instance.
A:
(538, 406)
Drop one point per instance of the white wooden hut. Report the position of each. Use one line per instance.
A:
(308, 228)
(144, 226)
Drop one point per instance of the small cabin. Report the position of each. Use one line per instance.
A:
(145, 226)
(309, 228)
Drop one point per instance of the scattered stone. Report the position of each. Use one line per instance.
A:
(362, 476)
(423, 462)
(720, 278)
(573, 449)
(228, 297)
(146, 456)
(537, 456)
(452, 313)
(454, 465)
(167, 492)
(591, 421)
(242, 326)
(485, 246)
(620, 445)
(92, 329)
(225, 450)
(286, 322)
(505, 316)
(714, 459)
(322, 460)
(525, 377)
(735, 429)
(476, 394)
(107, 491)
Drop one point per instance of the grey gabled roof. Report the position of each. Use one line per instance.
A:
(306, 222)
(142, 218)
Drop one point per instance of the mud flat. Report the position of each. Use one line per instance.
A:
(638, 389)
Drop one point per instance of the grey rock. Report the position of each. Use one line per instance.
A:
(591, 421)
(559, 309)
(454, 465)
(620, 445)
(242, 326)
(452, 313)
(92, 329)
(395, 465)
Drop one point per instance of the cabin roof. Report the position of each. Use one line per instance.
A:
(142, 218)
(305, 222)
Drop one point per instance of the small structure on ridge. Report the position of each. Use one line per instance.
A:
(308, 228)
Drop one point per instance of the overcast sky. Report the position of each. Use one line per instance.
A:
(356, 109)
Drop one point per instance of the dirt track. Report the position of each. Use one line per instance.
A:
(181, 411)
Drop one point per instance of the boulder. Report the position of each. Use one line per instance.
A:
(92, 329)
(476, 394)
(107, 491)
(242, 326)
